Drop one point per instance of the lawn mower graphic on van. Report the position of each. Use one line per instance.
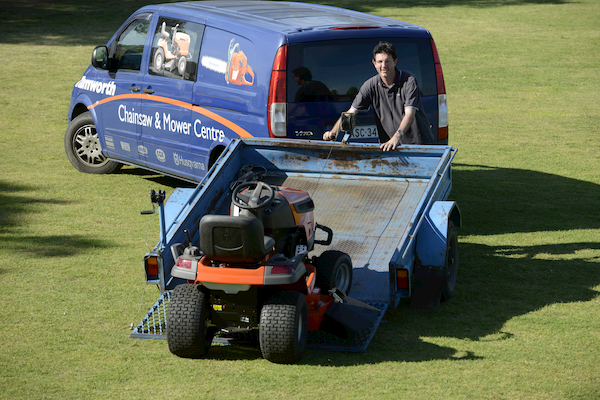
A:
(168, 55)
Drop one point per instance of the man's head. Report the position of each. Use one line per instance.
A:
(384, 61)
(385, 47)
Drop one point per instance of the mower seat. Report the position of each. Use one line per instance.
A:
(234, 239)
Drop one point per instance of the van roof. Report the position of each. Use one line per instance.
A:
(285, 17)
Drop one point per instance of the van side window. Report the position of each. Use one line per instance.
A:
(130, 44)
(175, 49)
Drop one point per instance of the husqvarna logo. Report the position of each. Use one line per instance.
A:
(160, 155)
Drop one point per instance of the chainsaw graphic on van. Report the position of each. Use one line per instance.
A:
(236, 68)
(172, 54)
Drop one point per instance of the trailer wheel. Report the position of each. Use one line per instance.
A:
(83, 147)
(187, 333)
(284, 327)
(451, 264)
(334, 270)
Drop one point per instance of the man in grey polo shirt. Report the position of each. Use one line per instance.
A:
(396, 100)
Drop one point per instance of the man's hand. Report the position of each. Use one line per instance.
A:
(329, 135)
(395, 141)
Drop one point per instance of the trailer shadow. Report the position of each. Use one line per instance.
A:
(498, 282)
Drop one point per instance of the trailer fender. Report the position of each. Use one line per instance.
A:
(429, 284)
(433, 232)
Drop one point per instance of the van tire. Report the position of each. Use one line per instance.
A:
(83, 148)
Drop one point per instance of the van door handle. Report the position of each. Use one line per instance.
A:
(134, 88)
(148, 90)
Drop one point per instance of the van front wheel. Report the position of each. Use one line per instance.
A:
(83, 147)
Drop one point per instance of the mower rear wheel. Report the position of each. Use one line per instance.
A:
(188, 335)
(334, 270)
(284, 327)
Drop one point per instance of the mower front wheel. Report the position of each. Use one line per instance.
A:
(334, 270)
(188, 335)
(284, 327)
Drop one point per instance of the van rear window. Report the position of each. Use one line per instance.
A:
(341, 67)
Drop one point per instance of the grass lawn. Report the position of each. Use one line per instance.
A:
(523, 91)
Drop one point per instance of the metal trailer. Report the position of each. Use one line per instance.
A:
(388, 211)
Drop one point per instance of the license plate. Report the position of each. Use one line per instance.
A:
(365, 132)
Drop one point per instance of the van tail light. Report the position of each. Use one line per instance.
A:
(442, 100)
(277, 105)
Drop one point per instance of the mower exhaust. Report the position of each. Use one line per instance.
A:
(347, 317)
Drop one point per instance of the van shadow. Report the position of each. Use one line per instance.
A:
(155, 177)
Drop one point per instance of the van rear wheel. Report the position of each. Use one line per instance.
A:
(83, 147)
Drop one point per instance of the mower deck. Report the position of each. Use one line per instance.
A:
(154, 326)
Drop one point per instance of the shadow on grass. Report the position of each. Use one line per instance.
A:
(155, 177)
(496, 282)
(92, 23)
(15, 207)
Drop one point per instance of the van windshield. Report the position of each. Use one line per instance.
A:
(335, 70)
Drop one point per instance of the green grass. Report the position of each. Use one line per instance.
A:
(523, 90)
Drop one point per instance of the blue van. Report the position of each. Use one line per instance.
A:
(178, 81)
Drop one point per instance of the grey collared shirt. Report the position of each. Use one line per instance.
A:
(389, 105)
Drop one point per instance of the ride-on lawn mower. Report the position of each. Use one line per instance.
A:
(252, 272)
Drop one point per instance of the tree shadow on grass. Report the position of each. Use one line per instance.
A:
(15, 207)
(92, 23)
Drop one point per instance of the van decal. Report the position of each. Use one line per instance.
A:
(184, 162)
(235, 69)
(167, 123)
(96, 86)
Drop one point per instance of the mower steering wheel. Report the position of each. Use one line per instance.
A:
(252, 199)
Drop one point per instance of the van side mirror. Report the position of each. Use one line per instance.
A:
(100, 57)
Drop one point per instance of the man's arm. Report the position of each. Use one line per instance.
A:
(332, 134)
(396, 140)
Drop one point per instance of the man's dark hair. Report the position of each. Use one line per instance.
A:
(385, 47)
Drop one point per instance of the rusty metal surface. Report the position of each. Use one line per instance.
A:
(368, 221)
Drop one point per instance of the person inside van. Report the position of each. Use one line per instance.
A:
(310, 91)
(396, 100)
